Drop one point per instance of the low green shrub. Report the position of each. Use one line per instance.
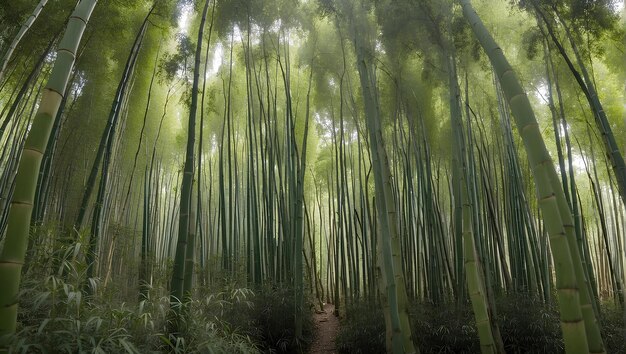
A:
(444, 328)
(269, 318)
(55, 316)
(527, 325)
(362, 329)
(66, 321)
(437, 329)
(612, 325)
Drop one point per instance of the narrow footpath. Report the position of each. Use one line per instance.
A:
(326, 328)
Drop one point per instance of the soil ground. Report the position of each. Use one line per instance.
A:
(326, 328)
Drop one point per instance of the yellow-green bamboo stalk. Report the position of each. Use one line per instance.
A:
(16, 241)
(488, 331)
(20, 34)
(476, 285)
(548, 194)
(391, 262)
(592, 327)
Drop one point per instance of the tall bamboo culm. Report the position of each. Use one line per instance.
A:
(392, 276)
(14, 250)
(488, 331)
(550, 194)
(178, 274)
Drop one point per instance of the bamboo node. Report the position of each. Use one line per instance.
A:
(528, 126)
(79, 18)
(12, 263)
(17, 202)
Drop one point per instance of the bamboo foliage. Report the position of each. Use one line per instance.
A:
(325, 165)
(588, 87)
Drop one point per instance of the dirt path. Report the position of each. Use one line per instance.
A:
(326, 328)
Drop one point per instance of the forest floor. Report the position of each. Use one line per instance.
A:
(326, 328)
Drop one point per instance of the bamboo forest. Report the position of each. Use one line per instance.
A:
(312, 176)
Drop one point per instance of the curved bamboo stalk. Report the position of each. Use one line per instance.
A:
(549, 194)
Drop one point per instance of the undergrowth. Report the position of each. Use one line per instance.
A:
(270, 321)
(55, 316)
(527, 325)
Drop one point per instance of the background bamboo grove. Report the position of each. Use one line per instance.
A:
(193, 176)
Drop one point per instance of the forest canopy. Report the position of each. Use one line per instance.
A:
(212, 176)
